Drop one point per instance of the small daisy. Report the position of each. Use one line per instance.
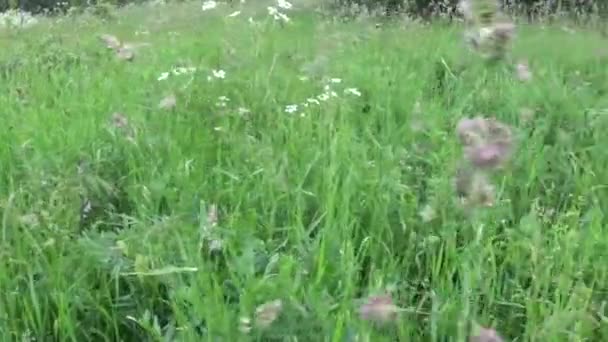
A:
(335, 80)
(291, 108)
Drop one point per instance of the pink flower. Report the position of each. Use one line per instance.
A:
(485, 335)
(487, 143)
(379, 309)
(488, 156)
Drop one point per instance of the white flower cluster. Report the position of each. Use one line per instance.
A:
(16, 18)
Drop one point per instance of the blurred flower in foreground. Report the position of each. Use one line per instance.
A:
(489, 32)
(485, 335)
(474, 188)
(379, 309)
(267, 313)
(487, 143)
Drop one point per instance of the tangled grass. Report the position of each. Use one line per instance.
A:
(242, 176)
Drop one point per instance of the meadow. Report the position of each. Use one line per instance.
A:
(233, 176)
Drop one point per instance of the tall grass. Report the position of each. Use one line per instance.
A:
(108, 228)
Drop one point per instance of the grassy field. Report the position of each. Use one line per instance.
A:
(124, 218)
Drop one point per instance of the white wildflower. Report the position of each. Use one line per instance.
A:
(163, 76)
(179, 71)
(353, 91)
(284, 4)
(428, 213)
(283, 17)
(243, 111)
(222, 101)
(291, 108)
(234, 14)
(219, 73)
(272, 11)
(17, 18)
(323, 97)
(335, 80)
(313, 101)
(210, 4)
(183, 70)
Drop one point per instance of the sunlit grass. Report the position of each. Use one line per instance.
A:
(307, 165)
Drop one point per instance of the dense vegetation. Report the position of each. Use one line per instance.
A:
(240, 173)
(423, 8)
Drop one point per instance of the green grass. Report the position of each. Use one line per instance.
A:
(318, 208)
